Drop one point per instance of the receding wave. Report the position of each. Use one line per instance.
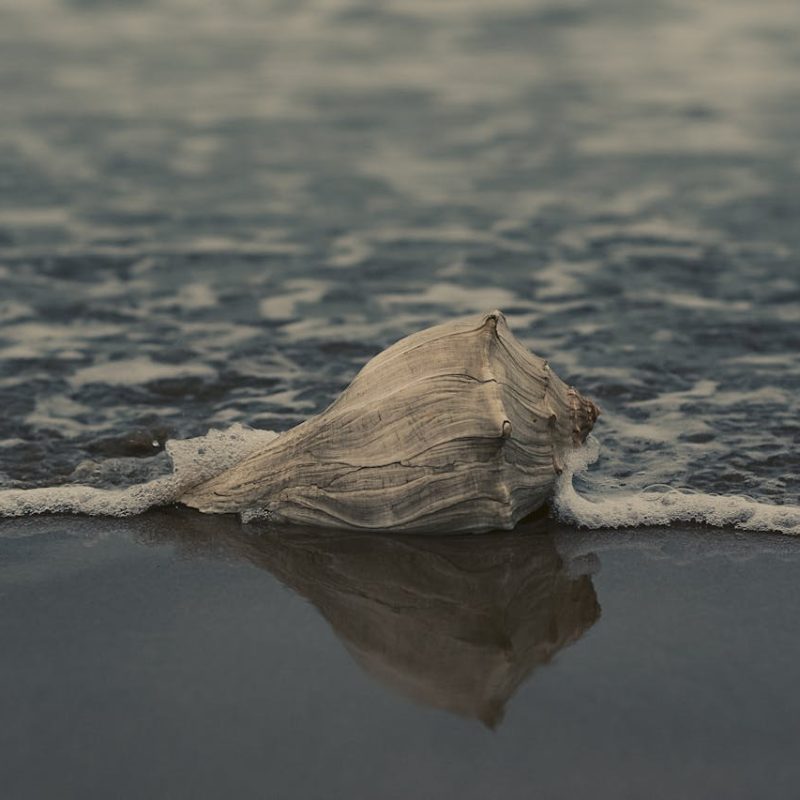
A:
(662, 505)
(193, 461)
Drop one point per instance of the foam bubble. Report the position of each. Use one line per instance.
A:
(193, 461)
(662, 505)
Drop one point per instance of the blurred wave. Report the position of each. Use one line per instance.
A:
(215, 214)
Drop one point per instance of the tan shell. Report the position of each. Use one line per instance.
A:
(455, 428)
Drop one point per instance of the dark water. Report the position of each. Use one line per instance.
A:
(214, 213)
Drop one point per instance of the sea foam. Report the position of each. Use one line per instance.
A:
(193, 461)
(663, 505)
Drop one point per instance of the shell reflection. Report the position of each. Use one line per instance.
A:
(457, 622)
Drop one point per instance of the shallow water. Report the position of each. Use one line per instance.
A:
(213, 214)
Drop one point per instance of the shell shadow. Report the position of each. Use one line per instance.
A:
(454, 622)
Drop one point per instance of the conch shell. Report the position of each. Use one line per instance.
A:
(457, 428)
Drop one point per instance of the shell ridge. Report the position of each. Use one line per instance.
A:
(396, 350)
(551, 385)
(413, 519)
(390, 391)
(492, 322)
(408, 462)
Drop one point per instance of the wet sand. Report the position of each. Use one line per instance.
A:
(177, 655)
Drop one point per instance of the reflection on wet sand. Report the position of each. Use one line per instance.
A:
(457, 623)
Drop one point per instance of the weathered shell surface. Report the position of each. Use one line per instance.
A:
(455, 428)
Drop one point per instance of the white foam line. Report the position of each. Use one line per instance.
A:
(193, 460)
(648, 508)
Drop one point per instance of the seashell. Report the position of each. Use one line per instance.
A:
(457, 428)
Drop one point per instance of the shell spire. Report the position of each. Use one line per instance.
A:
(455, 428)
